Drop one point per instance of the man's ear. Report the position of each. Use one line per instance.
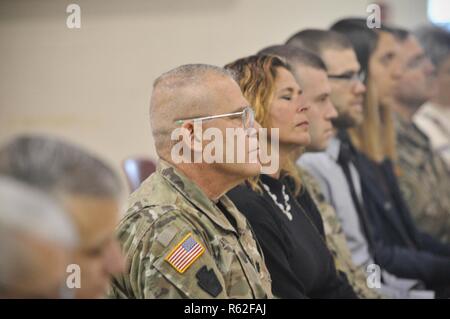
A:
(194, 134)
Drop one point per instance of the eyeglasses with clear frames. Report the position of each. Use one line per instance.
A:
(247, 114)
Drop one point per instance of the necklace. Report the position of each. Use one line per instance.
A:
(286, 209)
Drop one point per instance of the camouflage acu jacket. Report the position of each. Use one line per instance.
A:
(336, 241)
(179, 244)
(424, 181)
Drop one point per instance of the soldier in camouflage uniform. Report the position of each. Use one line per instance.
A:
(423, 176)
(335, 237)
(180, 240)
(424, 181)
(164, 210)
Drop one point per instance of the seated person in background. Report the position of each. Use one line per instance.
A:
(280, 210)
(182, 236)
(377, 210)
(37, 240)
(347, 96)
(311, 74)
(433, 118)
(402, 243)
(86, 188)
(420, 168)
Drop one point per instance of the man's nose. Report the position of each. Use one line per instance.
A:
(429, 67)
(359, 88)
(331, 111)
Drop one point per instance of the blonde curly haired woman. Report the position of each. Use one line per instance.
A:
(284, 218)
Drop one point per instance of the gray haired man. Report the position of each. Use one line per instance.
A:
(36, 243)
(182, 236)
(86, 188)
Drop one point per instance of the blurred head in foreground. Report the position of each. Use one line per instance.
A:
(36, 243)
(86, 188)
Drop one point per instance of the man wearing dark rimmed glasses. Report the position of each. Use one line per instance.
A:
(182, 236)
(345, 74)
(422, 168)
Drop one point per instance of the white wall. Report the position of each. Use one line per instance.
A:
(92, 85)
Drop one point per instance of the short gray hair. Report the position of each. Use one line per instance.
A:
(435, 41)
(189, 74)
(57, 166)
(28, 211)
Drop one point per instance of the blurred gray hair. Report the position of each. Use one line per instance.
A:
(189, 74)
(436, 43)
(27, 211)
(59, 167)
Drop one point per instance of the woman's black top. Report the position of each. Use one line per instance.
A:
(295, 251)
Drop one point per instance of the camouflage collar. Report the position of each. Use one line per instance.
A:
(410, 132)
(192, 193)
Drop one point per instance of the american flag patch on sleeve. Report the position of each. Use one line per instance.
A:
(185, 253)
